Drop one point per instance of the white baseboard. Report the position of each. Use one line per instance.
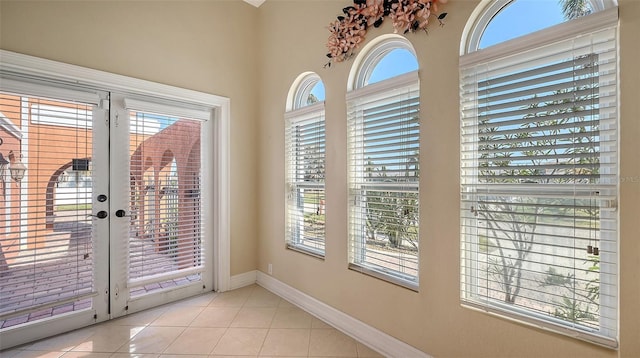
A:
(360, 331)
(243, 279)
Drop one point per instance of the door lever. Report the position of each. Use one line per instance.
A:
(121, 213)
(100, 214)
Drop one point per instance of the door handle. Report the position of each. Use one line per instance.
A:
(100, 214)
(121, 213)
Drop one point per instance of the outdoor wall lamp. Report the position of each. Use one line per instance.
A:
(16, 168)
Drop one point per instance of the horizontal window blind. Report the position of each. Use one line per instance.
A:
(383, 141)
(46, 230)
(166, 229)
(167, 108)
(305, 158)
(18, 85)
(539, 184)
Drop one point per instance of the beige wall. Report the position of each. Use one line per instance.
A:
(208, 46)
(431, 320)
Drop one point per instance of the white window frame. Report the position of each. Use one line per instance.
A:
(488, 9)
(300, 113)
(360, 92)
(605, 17)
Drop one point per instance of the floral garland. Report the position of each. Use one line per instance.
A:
(347, 32)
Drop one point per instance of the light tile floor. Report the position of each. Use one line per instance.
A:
(247, 322)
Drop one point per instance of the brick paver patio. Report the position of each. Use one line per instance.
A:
(55, 278)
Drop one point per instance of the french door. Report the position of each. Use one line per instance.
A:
(156, 197)
(101, 199)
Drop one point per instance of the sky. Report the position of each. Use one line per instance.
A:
(519, 18)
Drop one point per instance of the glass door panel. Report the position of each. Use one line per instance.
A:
(160, 206)
(50, 229)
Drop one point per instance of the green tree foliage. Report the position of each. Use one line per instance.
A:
(573, 9)
(580, 297)
(390, 214)
(312, 99)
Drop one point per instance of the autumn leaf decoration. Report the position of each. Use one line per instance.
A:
(348, 30)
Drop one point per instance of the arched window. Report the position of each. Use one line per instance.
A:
(504, 20)
(383, 140)
(305, 165)
(308, 89)
(539, 164)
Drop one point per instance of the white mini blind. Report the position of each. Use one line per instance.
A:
(383, 142)
(47, 243)
(166, 229)
(305, 160)
(539, 183)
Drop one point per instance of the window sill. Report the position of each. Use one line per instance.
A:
(307, 251)
(531, 320)
(392, 278)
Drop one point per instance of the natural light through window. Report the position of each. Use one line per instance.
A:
(317, 92)
(383, 141)
(539, 159)
(396, 62)
(509, 19)
(305, 163)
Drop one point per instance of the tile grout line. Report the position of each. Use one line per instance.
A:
(249, 299)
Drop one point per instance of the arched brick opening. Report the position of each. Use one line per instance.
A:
(50, 193)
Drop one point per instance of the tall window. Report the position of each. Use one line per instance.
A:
(383, 142)
(539, 173)
(305, 165)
